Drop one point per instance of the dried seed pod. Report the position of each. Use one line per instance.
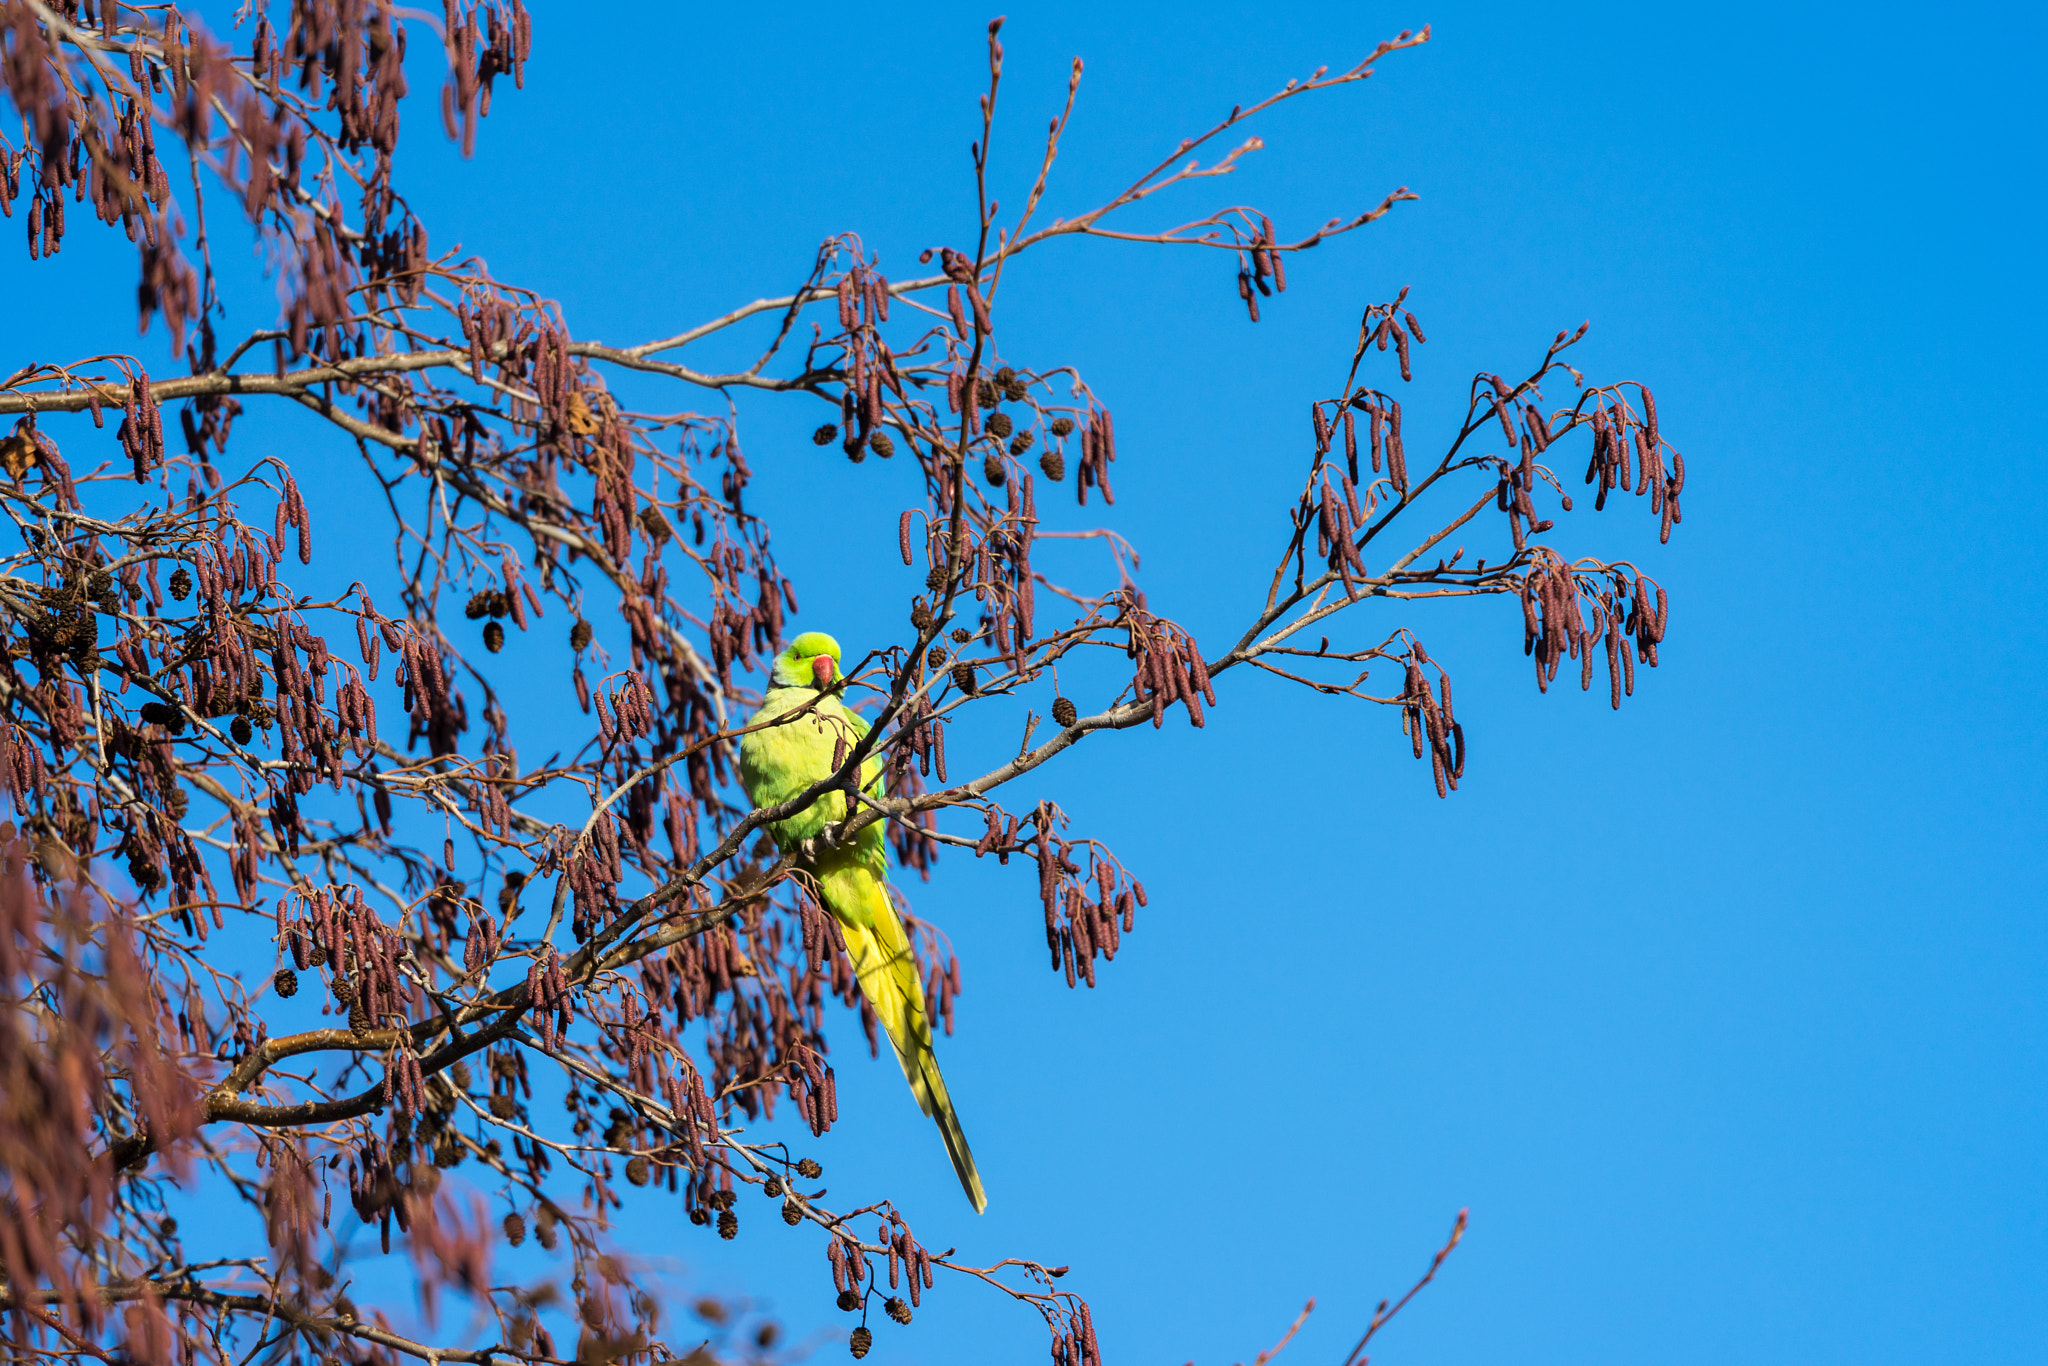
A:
(1054, 463)
(181, 583)
(792, 1213)
(921, 615)
(936, 657)
(1004, 377)
(653, 522)
(285, 984)
(963, 678)
(881, 444)
(316, 956)
(700, 1217)
(935, 579)
(855, 446)
(961, 635)
(985, 393)
(999, 425)
(515, 1229)
(494, 637)
(728, 1225)
(503, 1107)
(772, 1187)
(859, 1341)
(849, 1300)
(993, 471)
(358, 1018)
(478, 606)
(638, 1171)
(1021, 442)
(896, 1309)
(1064, 711)
(825, 434)
(579, 635)
(241, 730)
(1061, 425)
(809, 1169)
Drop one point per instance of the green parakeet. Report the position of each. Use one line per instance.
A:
(777, 762)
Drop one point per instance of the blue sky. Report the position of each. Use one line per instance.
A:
(1724, 1014)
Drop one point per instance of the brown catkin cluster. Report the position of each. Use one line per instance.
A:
(1428, 721)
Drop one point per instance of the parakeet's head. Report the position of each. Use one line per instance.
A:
(811, 661)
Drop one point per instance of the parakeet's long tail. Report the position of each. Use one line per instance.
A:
(887, 971)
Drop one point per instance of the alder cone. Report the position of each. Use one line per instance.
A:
(286, 983)
(1064, 712)
(638, 1171)
(859, 1341)
(809, 1169)
(849, 1300)
(515, 1229)
(896, 1309)
(1054, 463)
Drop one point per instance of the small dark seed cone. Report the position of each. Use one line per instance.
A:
(809, 1169)
(961, 635)
(937, 657)
(579, 635)
(181, 583)
(882, 445)
(504, 1107)
(993, 471)
(963, 678)
(859, 1341)
(792, 1213)
(1064, 711)
(849, 1300)
(728, 1225)
(478, 606)
(1021, 442)
(1054, 463)
(896, 1309)
(700, 1216)
(494, 637)
(1062, 425)
(936, 578)
(241, 730)
(772, 1187)
(985, 393)
(358, 1019)
(999, 425)
(286, 983)
(823, 436)
(921, 615)
(316, 956)
(515, 1229)
(638, 1171)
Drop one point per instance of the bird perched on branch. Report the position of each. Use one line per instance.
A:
(780, 761)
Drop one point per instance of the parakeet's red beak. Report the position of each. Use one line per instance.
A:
(821, 671)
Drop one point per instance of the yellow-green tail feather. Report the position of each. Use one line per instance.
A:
(887, 972)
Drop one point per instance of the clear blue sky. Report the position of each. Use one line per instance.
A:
(1726, 1014)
